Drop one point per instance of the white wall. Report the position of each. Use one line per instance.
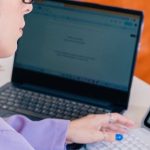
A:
(6, 65)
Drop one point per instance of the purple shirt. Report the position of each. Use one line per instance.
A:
(19, 133)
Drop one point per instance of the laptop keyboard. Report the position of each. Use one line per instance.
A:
(131, 141)
(42, 106)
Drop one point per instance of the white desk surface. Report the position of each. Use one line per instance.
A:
(139, 100)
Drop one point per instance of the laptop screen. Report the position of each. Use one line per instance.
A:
(84, 44)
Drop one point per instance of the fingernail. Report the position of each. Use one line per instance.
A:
(119, 137)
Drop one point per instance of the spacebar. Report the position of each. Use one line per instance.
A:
(30, 113)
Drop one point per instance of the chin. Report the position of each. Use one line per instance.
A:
(6, 55)
(8, 52)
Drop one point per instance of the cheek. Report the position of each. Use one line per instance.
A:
(10, 22)
(9, 34)
(8, 42)
(7, 48)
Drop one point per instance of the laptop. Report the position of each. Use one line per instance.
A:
(74, 59)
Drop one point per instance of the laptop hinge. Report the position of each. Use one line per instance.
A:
(70, 96)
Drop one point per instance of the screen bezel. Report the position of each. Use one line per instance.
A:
(116, 97)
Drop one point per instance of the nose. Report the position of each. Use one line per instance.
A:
(28, 8)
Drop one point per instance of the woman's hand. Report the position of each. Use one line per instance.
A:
(94, 128)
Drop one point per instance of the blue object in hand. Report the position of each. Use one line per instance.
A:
(119, 137)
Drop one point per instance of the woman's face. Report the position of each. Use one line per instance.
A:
(11, 24)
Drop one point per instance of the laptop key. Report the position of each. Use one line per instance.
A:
(3, 97)
(51, 114)
(45, 112)
(4, 106)
(11, 108)
(37, 110)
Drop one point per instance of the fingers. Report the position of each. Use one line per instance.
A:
(108, 136)
(115, 118)
(115, 128)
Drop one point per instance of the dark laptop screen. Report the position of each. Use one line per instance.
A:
(84, 44)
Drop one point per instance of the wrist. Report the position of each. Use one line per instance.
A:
(69, 133)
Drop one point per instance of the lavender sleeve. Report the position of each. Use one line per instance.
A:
(47, 134)
(12, 140)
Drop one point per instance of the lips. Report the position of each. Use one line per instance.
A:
(20, 32)
(21, 27)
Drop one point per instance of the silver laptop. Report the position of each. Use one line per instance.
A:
(74, 59)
